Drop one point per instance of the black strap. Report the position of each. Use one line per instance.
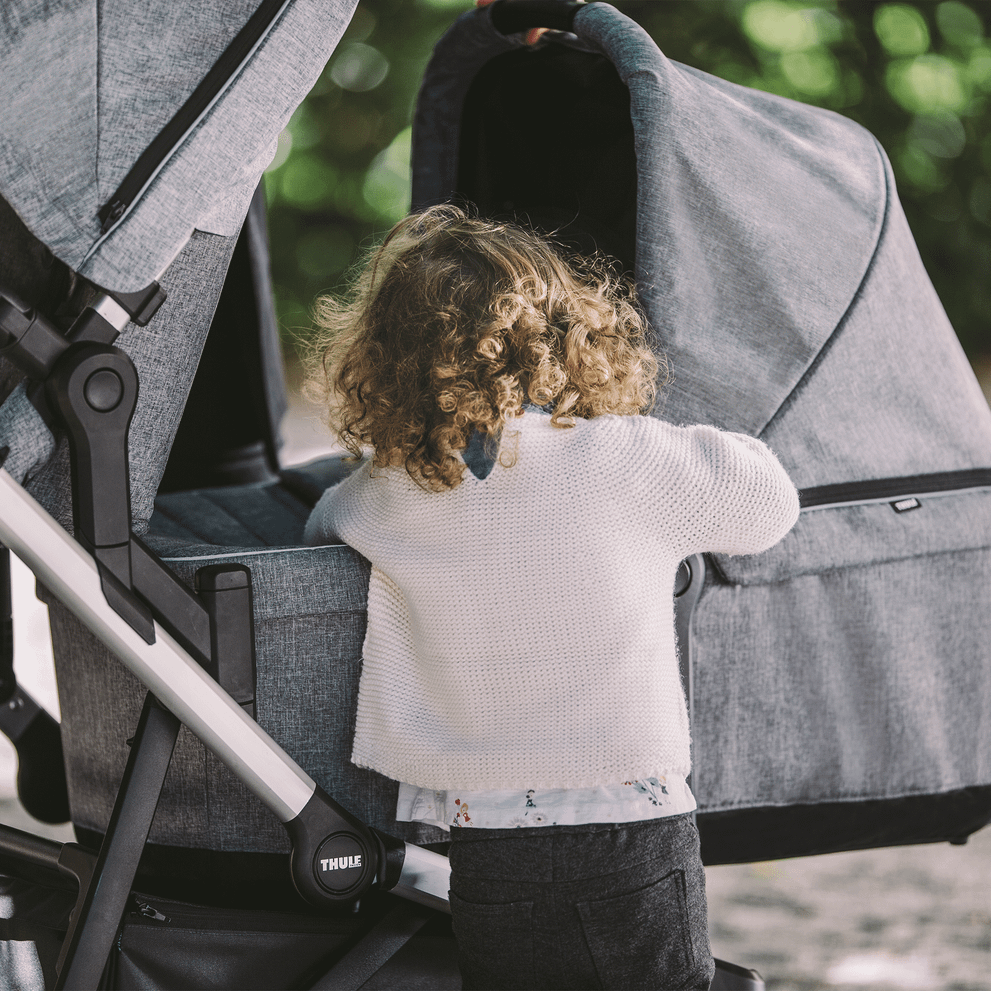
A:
(375, 949)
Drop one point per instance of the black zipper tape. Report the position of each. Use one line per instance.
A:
(890, 489)
(182, 915)
(186, 116)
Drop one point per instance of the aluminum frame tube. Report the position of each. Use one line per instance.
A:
(425, 878)
(178, 681)
(70, 573)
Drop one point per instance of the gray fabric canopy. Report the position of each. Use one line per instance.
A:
(87, 86)
(775, 264)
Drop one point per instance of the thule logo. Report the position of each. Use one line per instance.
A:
(340, 863)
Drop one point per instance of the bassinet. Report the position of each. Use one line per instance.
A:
(841, 678)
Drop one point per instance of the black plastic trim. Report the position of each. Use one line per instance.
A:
(225, 591)
(742, 836)
(142, 305)
(882, 489)
(186, 116)
(172, 604)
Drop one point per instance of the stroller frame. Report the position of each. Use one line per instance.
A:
(185, 647)
(191, 651)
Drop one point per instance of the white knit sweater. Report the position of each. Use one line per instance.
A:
(520, 627)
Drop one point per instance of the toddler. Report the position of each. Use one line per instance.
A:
(525, 524)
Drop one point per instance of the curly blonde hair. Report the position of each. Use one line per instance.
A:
(453, 324)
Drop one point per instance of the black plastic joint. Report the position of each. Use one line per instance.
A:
(114, 566)
(395, 857)
(335, 857)
(29, 340)
(142, 305)
(95, 388)
(225, 592)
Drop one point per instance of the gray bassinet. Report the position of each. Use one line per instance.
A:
(842, 678)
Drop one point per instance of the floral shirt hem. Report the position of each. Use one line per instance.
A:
(630, 801)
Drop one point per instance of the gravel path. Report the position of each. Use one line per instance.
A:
(901, 917)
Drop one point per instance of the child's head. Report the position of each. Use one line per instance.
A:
(454, 324)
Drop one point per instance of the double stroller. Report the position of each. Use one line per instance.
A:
(207, 664)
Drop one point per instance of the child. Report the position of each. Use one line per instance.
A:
(525, 526)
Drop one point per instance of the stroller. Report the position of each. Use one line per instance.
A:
(773, 262)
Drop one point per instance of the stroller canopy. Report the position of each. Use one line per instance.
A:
(87, 87)
(756, 217)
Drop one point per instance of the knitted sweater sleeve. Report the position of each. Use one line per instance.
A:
(320, 528)
(729, 489)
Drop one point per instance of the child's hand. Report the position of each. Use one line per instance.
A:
(532, 36)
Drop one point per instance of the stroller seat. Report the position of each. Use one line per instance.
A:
(262, 514)
(309, 607)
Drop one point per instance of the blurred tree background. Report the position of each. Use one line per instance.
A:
(917, 75)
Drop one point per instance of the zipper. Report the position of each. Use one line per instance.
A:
(185, 915)
(903, 493)
(150, 912)
(168, 141)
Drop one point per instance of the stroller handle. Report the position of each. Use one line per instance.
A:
(520, 15)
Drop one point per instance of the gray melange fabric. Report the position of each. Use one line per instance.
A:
(781, 278)
(69, 136)
(166, 353)
(26, 434)
(309, 627)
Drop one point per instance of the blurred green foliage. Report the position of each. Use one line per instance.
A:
(917, 75)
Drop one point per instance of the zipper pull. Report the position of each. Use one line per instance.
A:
(110, 214)
(150, 912)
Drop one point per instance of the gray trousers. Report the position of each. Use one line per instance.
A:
(597, 906)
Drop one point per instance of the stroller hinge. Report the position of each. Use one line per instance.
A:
(335, 857)
(94, 388)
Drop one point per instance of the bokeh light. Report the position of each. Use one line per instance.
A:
(901, 29)
(358, 67)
